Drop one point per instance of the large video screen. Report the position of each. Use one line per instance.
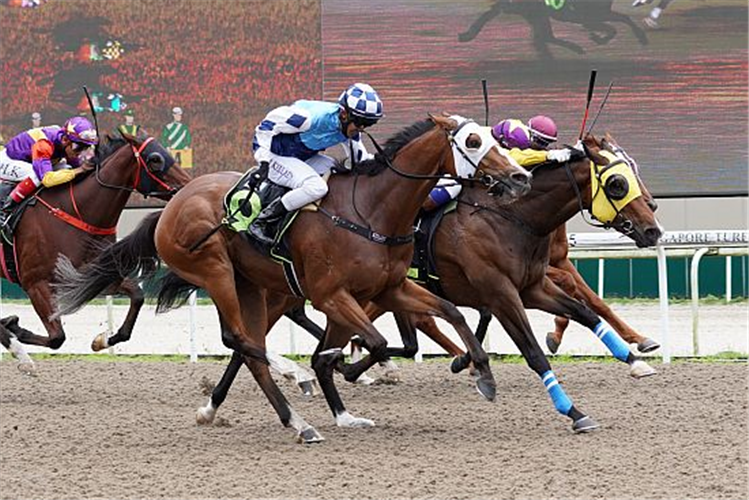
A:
(223, 63)
(678, 103)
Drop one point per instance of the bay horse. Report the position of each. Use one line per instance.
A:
(339, 264)
(593, 15)
(76, 220)
(500, 265)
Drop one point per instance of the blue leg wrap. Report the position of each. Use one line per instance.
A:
(561, 401)
(612, 341)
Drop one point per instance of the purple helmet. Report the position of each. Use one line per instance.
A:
(543, 130)
(512, 134)
(79, 129)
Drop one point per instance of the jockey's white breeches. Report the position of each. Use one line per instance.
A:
(16, 170)
(303, 177)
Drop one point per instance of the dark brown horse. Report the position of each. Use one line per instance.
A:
(76, 220)
(339, 262)
(499, 264)
(594, 15)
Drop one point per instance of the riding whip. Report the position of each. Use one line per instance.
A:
(486, 102)
(96, 121)
(591, 86)
(600, 108)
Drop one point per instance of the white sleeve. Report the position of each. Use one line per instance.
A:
(282, 120)
(360, 151)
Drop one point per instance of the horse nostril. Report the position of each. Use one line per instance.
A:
(521, 178)
(653, 234)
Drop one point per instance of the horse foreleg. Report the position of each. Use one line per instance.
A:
(475, 28)
(411, 298)
(508, 308)
(582, 292)
(130, 288)
(9, 340)
(637, 31)
(548, 297)
(41, 298)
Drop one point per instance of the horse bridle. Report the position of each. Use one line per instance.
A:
(626, 226)
(486, 179)
(142, 165)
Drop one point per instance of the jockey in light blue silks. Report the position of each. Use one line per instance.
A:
(290, 139)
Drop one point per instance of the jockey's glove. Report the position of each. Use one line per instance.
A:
(559, 155)
(57, 177)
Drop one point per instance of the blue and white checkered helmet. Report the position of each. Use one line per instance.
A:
(362, 103)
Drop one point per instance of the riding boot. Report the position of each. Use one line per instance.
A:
(272, 213)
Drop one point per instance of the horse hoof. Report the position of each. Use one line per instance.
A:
(10, 322)
(584, 424)
(309, 436)
(99, 343)
(648, 345)
(309, 388)
(27, 368)
(487, 388)
(551, 343)
(346, 419)
(364, 379)
(640, 369)
(459, 364)
(205, 415)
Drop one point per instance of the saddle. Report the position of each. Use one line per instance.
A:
(8, 225)
(423, 267)
(244, 202)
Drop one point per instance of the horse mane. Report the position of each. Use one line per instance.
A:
(392, 146)
(109, 146)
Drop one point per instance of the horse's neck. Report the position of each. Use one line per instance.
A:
(553, 199)
(102, 206)
(392, 200)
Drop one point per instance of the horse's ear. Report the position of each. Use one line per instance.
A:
(444, 122)
(129, 138)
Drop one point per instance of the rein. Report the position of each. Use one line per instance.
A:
(507, 216)
(141, 165)
(484, 179)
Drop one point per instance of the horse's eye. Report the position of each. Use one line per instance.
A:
(473, 141)
(155, 161)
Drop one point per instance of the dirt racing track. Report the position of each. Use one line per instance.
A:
(88, 429)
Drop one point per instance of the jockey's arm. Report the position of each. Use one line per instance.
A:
(528, 157)
(41, 157)
(358, 149)
(282, 120)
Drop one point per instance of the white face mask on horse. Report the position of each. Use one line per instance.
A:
(469, 152)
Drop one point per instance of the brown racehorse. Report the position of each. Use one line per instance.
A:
(500, 265)
(75, 220)
(337, 269)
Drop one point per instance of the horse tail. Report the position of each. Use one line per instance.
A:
(136, 252)
(173, 292)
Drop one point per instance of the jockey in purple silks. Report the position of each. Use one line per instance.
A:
(30, 157)
(527, 144)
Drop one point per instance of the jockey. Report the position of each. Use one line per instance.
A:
(527, 144)
(290, 140)
(30, 156)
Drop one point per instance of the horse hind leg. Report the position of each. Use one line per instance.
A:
(133, 291)
(9, 340)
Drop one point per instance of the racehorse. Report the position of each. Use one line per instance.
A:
(339, 264)
(76, 220)
(594, 15)
(500, 264)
